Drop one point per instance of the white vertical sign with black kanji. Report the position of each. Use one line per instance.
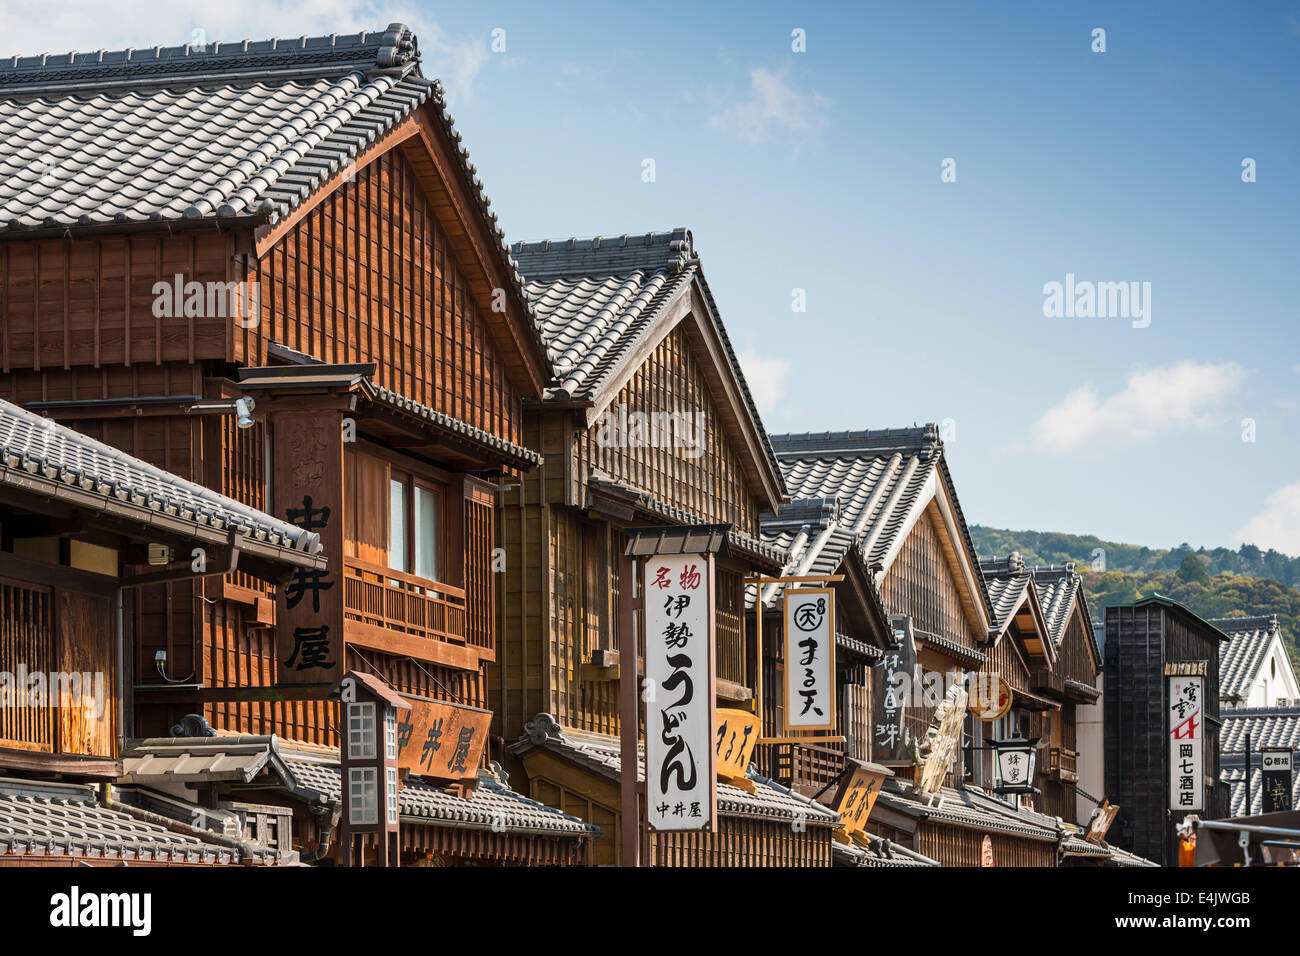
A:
(1186, 744)
(679, 692)
(809, 659)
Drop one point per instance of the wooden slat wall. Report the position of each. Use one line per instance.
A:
(27, 638)
(921, 583)
(368, 276)
(711, 487)
(959, 846)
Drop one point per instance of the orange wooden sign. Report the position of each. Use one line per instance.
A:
(441, 740)
(857, 797)
(735, 737)
(1100, 822)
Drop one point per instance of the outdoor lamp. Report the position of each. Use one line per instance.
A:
(1014, 763)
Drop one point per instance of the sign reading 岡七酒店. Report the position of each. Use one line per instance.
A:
(1186, 740)
(440, 739)
(809, 659)
(681, 788)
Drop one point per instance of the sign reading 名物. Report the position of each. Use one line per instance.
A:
(309, 494)
(679, 692)
(809, 659)
(441, 740)
(736, 735)
(1186, 744)
(1275, 766)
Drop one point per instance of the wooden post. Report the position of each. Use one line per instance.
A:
(629, 717)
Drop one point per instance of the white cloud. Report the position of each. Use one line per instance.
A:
(29, 27)
(766, 378)
(1152, 401)
(773, 103)
(1277, 526)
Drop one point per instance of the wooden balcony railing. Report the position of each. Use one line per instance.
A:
(807, 768)
(1063, 764)
(382, 597)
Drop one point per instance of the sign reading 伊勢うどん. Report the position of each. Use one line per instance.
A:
(679, 692)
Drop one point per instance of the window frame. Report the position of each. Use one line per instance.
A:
(359, 737)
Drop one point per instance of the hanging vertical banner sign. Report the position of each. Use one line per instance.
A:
(892, 679)
(1276, 768)
(809, 659)
(681, 786)
(1186, 744)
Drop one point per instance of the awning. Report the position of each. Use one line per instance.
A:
(677, 539)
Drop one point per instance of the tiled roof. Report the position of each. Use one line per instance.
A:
(1124, 858)
(602, 754)
(1059, 586)
(1240, 659)
(652, 504)
(1267, 726)
(879, 852)
(597, 299)
(491, 805)
(967, 809)
(517, 453)
(52, 819)
(1005, 595)
(1075, 845)
(39, 454)
(879, 480)
(244, 129)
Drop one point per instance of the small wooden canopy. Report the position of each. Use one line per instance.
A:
(678, 539)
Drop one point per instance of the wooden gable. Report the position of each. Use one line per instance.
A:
(923, 583)
(714, 486)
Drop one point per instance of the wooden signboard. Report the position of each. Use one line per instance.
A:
(441, 740)
(941, 739)
(890, 680)
(309, 494)
(681, 785)
(809, 659)
(857, 796)
(1100, 823)
(990, 696)
(736, 736)
(1186, 744)
(986, 851)
(1275, 766)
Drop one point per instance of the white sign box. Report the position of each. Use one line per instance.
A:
(679, 692)
(809, 659)
(1186, 744)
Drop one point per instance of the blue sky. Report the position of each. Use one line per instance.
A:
(820, 171)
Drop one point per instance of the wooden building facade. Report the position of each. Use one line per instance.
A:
(650, 424)
(1150, 645)
(321, 320)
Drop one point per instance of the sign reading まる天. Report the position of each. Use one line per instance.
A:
(809, 659)
(1186, 744)
(679, 693)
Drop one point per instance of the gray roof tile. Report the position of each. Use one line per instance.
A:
(48, 819)
(34, 449)
(245, 129)
(602, 754)
(491, 804)
(1240, 658)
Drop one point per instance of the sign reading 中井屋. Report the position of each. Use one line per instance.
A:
(809, 659)
(679, 693)
(442, 740)
(1186, 744)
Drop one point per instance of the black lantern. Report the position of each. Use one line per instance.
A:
(1014, 763)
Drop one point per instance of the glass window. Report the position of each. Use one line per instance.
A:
(392, 794)
(397, 554)
(427, 514)
(361, 731)
(362, 805)
(390, 734)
